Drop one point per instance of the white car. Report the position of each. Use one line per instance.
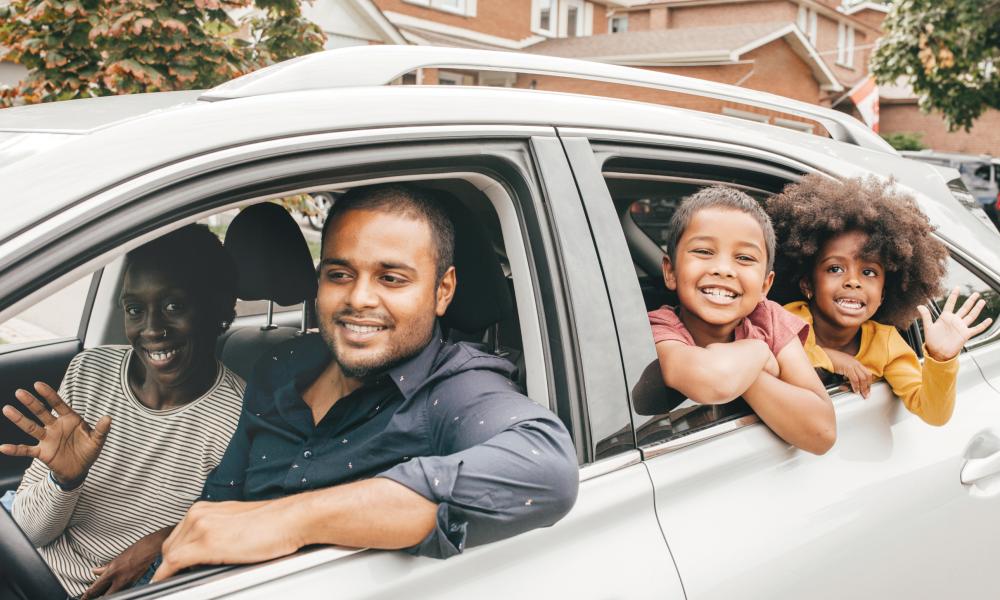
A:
(694, 502)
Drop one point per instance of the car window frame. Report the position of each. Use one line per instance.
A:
(595, 148)
(508, 156)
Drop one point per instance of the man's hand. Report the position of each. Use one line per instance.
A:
(66, 444)
(945, 337)
(858, 376)
(372, 513)
(220, 533)
(125, 570)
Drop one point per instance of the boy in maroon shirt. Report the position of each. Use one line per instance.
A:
(725, 339)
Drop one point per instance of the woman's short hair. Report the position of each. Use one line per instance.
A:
(205, 268)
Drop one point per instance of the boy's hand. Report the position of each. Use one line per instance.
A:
(945, 337)
(859, 377)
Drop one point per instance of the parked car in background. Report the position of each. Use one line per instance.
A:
(565, 197)
(980, 173)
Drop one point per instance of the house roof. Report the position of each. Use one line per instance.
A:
(689, 47)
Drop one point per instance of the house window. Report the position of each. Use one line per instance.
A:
(742, 114)
(573, 14)
(465, 8)
(447, 78)
(618, 24)
(543, 17)
(796, 125)
(845, 45)
(807, 23)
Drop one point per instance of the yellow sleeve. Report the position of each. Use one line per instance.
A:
(928, 393)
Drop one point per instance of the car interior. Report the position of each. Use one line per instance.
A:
(277, 279)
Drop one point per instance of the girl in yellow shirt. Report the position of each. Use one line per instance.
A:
(864, 261)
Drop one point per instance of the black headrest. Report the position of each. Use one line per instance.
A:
(482, 297)
(271, 255)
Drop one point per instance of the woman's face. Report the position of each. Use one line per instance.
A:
(167, 325)
(846, 286)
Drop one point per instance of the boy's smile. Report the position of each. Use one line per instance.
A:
(720, 274)
(846, 286)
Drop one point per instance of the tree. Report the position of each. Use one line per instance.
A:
(83, 48)
(948, 51)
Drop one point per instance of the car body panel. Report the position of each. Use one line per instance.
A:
(882, 514)
(586, 555)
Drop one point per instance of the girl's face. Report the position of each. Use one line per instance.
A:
(846, 287)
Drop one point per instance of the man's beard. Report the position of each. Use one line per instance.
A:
(403, 346)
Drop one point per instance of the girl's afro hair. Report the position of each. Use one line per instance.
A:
(809, 213)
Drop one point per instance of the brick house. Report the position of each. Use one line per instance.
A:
(811, 50)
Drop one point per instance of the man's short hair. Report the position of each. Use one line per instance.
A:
(404, 200)
(723, 197)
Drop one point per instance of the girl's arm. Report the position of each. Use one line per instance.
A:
(795, 406)
(716, 374)
(927, 392)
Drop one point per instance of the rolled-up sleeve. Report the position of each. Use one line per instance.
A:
(505, 465)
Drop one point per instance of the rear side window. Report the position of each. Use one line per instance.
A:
(969, 283)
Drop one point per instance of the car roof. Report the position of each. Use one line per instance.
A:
(89, 153)
(89, 114)
(100, 151)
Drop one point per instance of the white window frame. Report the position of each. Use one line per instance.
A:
(536, 17)
(845, 45)
(581, 9)
(465, 8)
(623, 19)
(796, 125)
(743, 114)
(807, 23)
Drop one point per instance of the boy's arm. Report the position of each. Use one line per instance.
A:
(715, 374)
(796, 406)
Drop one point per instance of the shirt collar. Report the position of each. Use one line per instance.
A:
(411, 374)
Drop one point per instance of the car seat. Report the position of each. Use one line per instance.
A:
(274, 264)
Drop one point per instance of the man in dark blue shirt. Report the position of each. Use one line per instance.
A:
(380, 433)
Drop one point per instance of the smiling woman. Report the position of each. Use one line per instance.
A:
(134, 430)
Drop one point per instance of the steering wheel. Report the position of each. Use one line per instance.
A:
(23, 572)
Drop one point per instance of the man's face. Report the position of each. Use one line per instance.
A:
(378, 290)
(721, 272)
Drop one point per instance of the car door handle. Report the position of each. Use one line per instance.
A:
(980, 468)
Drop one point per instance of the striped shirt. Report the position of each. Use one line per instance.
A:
(149, 472)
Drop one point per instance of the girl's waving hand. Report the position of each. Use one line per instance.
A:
(945, 337)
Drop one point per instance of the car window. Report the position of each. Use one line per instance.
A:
(968, 283)
(645, 208)
(56, 317)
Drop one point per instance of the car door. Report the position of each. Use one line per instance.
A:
(610, 544)
(882, 514)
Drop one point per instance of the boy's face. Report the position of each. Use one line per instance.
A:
(846, 287)
(721, 273)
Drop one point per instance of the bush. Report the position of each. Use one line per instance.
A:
(905, 140)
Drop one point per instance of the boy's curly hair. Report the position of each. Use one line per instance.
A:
(809, 213)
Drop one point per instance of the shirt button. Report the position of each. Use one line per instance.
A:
(307, 454)
(304, 480)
